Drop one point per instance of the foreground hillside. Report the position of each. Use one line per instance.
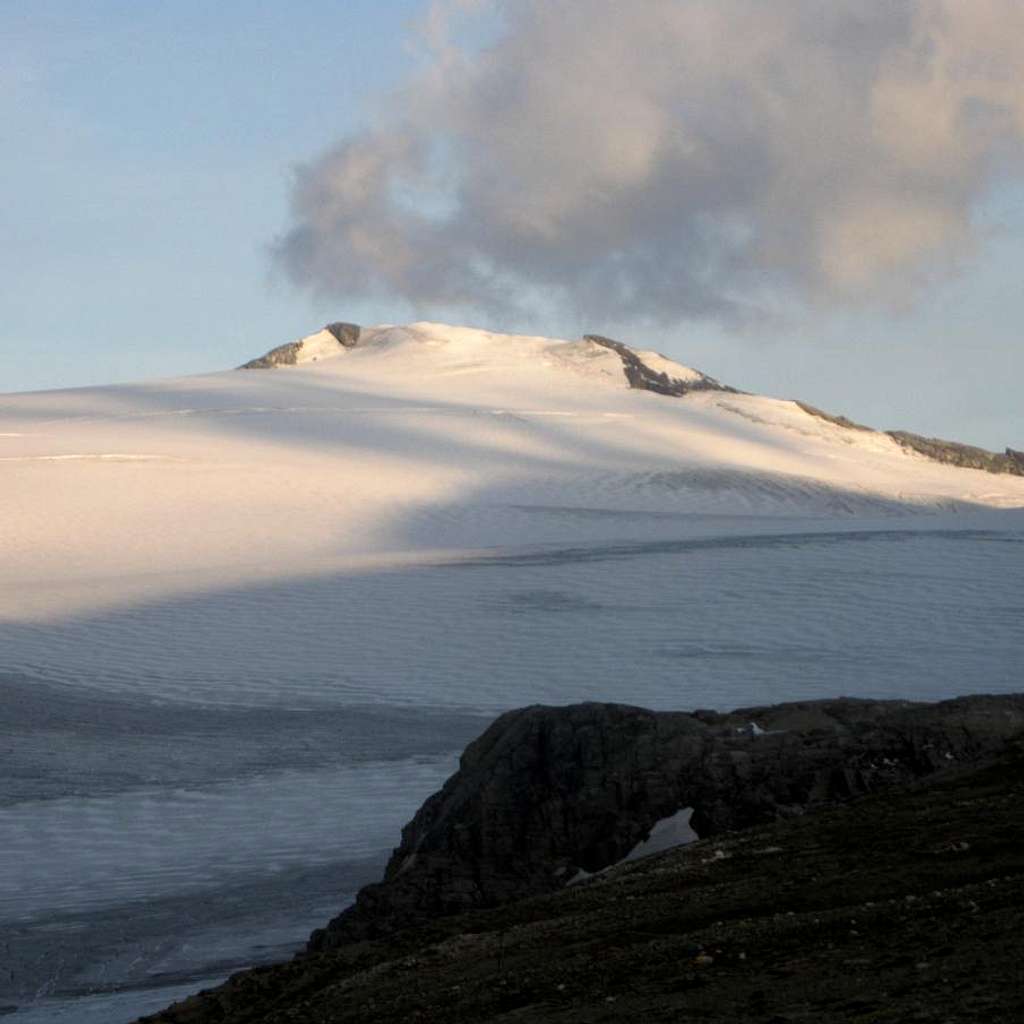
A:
(548, 792)
(903, 906)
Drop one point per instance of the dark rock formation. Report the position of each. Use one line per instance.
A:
(546, 791)
(956, 454)
(839, 421)
(905, 905)
(952, 453)
(642, 377)
(283, 355)
(346, 335)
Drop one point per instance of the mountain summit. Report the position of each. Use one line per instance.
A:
(642, 369)
(593, 355)
(356, 445)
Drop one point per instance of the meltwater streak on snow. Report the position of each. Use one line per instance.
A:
(247, 619)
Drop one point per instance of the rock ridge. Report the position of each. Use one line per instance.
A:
(965, 455)
(345, 334)
(951, 453)
(642, 377)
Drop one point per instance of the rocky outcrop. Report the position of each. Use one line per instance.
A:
(643, 377)
(839, 421)
(956, 454)
(547, 791)
(952, 453)
(345, 334)
(283, 355)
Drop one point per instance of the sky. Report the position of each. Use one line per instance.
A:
(822, 202)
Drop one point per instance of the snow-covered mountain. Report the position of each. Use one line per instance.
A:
(397, 444)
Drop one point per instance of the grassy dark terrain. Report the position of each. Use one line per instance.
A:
(907, 905)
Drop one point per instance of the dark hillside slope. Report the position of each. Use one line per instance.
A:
(546, 791)
(905, 905)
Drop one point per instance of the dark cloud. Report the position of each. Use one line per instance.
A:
(673, 158)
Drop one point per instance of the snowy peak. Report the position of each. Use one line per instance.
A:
(428, 349)
(332, 340)
(594, 354)
(393, 445)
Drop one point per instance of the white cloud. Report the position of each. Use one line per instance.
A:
(672, 158)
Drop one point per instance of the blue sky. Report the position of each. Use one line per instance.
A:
(150, 151)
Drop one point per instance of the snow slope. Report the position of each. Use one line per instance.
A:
(420, 441)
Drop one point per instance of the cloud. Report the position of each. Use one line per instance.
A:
(668, 159)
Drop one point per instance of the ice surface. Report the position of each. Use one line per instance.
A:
(670, 831)
(160, 841)
(249, 619)
(667, 832)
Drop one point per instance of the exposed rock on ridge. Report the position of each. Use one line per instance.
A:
(546, 791)
(952, 453)
(642, 377)
(283, 355)
(345, 334)
(839, 421)
(956, 454)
